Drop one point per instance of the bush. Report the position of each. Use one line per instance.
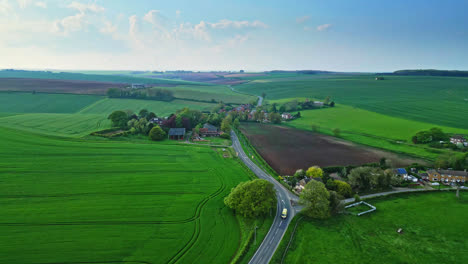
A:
(157, 134)
(225, 136)
(357, 198)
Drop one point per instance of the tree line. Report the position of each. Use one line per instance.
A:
(148, 93)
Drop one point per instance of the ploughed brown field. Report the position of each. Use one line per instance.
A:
(288, 149)
(57, 86)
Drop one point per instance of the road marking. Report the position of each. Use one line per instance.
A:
(280, 223)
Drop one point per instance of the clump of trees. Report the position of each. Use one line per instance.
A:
(454, 161)
(433, 134)
(314, 172)
(318, 201)
(157, 134)
(252, 198)
(148, 93)
(363, 179)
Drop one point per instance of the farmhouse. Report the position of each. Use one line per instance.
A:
(449, 176)
(176, 133)
(455, 139)
(318, 103)
(209, 130)
(156, 120)
(401, 172)
(138, 86)
(286, 116)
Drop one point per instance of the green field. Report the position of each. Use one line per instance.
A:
(434, 231)
(371, 128)
(214, 92)
(107, 106)
(44, 103)
(75, 201)
(91, 77)
(437, 100)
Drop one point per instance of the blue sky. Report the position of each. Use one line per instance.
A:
(345, 35)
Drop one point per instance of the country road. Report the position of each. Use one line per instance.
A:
(278, 228)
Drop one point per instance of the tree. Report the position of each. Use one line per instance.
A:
(113, 92)
(423, 137)
(151, 115)
(314, 172)
(118, 119)
(336, 132)
(252, 198)
(315, 199)
(327, 100)
(332, 104)
(236, 123)
(275, 118)
(300, 174)
(143, 113)
(369, 178)
(298, 114)
(226, 124)
(437, 134)
(157, 134)
(263, 95)
(343, 188)
(336, 205)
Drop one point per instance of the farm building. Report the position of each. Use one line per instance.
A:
(156, 120)
(138, 86)
(455, 139)
(176, 133)
(318, 103)
(449, 176)
(379, 78)
(286, 116)
(209, 130)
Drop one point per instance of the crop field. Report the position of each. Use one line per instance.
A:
(433, 227)
(44, 103)
(107, 106)
(436, 100)
(370, 128)
(207, 93)
(287, 150)
(63, 125)
(76, 201)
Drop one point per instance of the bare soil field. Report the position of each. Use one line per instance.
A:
(57, 86)
(288, 149)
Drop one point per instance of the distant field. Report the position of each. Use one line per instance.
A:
(370, 128)
(438, 100)
(90, 77)
(44, 103)
(287, 150)
(433, 227)
(65, 125)
(107, 106)
(207, 93)
(66, 201)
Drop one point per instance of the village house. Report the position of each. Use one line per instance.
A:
(137, 86)
(157, 121)
(176, 133)
(287, 116)
(455, 139)
(401, 172)
(209, 130)
(448, 176)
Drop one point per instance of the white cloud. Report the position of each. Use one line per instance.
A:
(324, 27)
(41, 4)
(5, 7)
(108, 28)
(178, 12)
(83, 8)
(23, 3)
(225, 23)
(303, 19)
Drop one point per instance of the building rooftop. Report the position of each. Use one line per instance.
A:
(176, 131)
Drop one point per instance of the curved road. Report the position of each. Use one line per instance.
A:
(278, 228)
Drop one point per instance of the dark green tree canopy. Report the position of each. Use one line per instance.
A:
(315, 198)
(252, 198)
(118, 119)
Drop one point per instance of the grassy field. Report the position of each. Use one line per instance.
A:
(370, 128)
(91, 77)
(107, 106)
(65, 201)
(437, 100)
(44, 103)
(65, 125)
(215, 92)
(433, 232)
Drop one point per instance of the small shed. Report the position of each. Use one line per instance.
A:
(176, 133)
